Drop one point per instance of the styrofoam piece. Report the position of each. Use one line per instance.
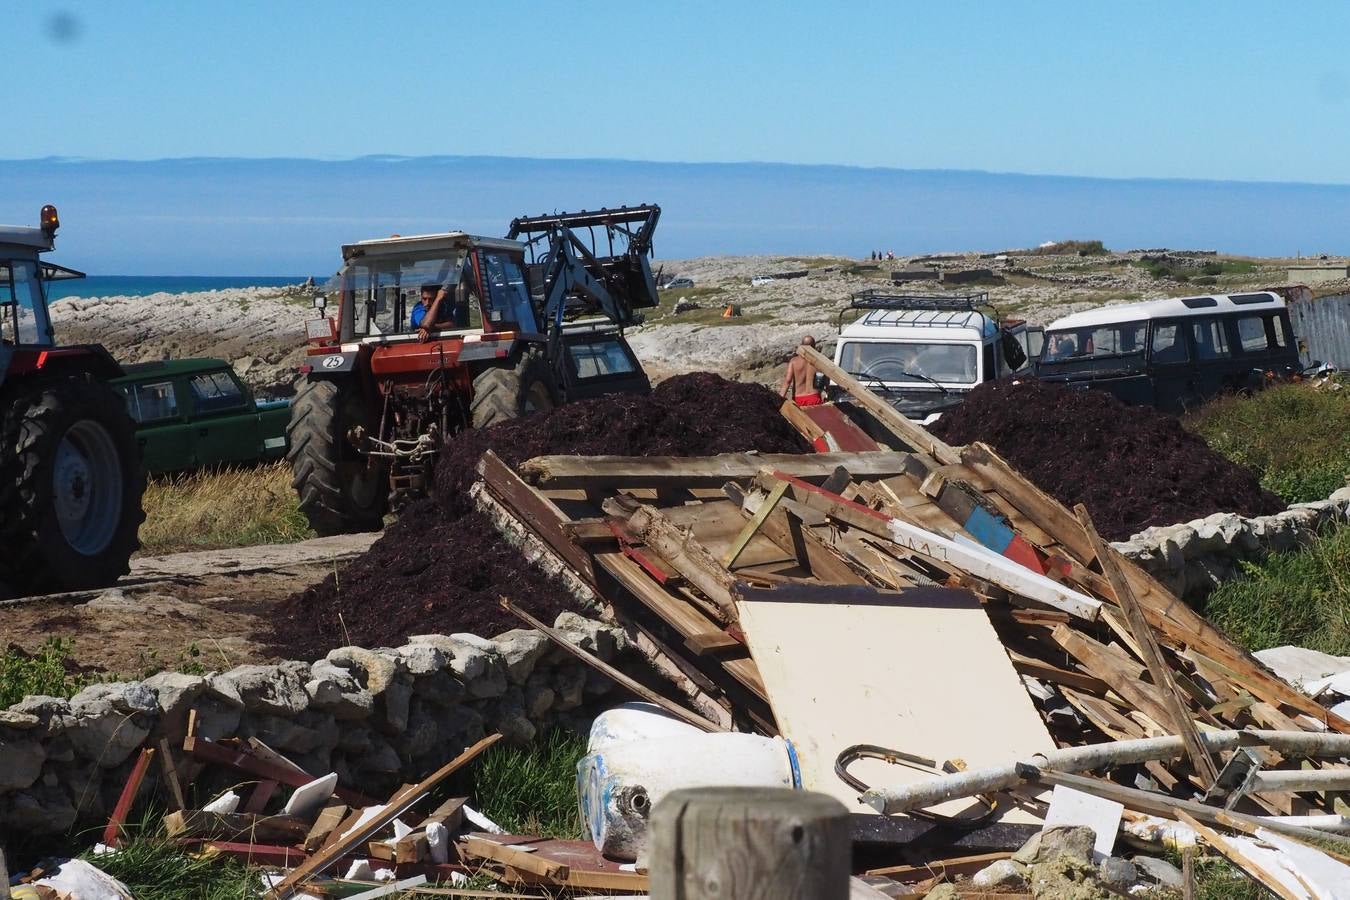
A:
(389, 888)
(438, 843)
(1267, 859)
(1326, 878)
(1071, 807)
(77, 878)
(367, 814)
(480, 821)
(618, 787)
(1301, 666)
(226, 803)
(359, 870)
(401, 830)
(306, 800)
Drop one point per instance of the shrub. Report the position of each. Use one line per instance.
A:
(1296, 438)
(1300, 597)
(43, 672)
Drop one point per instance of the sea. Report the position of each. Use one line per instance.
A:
(142, 285)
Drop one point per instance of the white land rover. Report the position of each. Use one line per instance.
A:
(924, 352)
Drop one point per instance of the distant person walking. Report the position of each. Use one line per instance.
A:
(799, 381)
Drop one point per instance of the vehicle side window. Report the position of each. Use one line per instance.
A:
(215, 391)
(1210, 341)
(990, 366)
(1169, 344)
(1252, 336)
(1279, 332)
(150, 402)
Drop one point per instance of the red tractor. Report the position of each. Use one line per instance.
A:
(523, 323)
(70, 467)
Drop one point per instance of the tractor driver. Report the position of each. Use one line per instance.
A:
(435, 311)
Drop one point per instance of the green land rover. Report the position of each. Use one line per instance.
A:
(196, 413)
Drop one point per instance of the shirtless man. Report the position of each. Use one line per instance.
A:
(799, 379)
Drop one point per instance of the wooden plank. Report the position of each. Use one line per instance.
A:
(112, 834)
(330, 817)
(804, 424)
(1178, 711)
(261, 793)
(397, 805)
(615, 472)
(612, 673)
(751, 528)
(941, 868)
(1122, 676)
(786, 530)
(197, 823)
(839, 431)
(1025, 665)
(679, 615)
(539, 514)
(247, 760)
(911, 433)
(936, 640)
(483, 847)
(168, 770)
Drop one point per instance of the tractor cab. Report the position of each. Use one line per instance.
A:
(24, 321)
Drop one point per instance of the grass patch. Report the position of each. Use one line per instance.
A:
(711, 301)
(226, 508)
(532, 790)
(42, 672)
(1296, 439)
(1301, 597)
(1206, 274)
(157, 870)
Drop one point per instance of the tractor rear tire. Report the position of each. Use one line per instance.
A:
(501, 393)
(340, 491)
(71, 482)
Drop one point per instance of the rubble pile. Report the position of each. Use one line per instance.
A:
(442, 565)
(1132, 466)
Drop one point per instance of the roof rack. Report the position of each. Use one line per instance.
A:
(873, 298)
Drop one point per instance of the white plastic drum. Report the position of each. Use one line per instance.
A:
(618, 785)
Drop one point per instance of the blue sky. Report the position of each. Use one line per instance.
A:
(1240, 90)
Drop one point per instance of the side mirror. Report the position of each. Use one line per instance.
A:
(820, 382)
(320, 301)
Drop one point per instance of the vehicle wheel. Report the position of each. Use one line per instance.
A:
(502, 393)
(340, 491)
(71, 482)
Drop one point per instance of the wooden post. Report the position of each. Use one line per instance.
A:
(742, 843)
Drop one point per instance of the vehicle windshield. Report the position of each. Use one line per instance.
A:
(23, 314)
(910, 362)
(385, 291)
(1094, 341)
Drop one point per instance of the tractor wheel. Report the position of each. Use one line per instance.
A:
(340, 491)
(71, 482)
(502, 393)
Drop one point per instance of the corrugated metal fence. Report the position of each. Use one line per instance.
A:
(1323, 326)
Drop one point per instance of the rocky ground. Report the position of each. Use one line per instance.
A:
(261, 330)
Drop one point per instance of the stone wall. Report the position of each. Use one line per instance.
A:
(378, 718)
(1193, 558)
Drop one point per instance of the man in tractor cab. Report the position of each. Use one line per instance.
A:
(427, 313)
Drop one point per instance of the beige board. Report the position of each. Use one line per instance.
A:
(929, 678)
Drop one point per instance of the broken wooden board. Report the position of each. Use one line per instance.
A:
(615, 472)
(922, 672)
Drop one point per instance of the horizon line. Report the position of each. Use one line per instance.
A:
(397, 158)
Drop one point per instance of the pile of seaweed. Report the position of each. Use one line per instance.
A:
(442, 565)
(1133, 467)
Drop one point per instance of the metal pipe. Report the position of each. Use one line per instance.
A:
(890, 801)
(1300, 780)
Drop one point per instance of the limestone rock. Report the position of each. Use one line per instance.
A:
(278, 690)
(1117, 873)
(41, 810)
(375, 670)
(1005, 873)
(98, 732)
(422, 659)
(1217, 532)
(538, 699)
(570, 685)
(20, 763)
(126, 697)
(19, 721)
(1074, 841)
(440, 688)
(175, 693)
(605, 641)
(520, 650)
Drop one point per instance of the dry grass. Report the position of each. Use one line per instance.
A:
(227, 508)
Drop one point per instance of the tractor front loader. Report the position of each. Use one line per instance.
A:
(70, 467)
(535, 319)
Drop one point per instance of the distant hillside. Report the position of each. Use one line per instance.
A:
(229, 216)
